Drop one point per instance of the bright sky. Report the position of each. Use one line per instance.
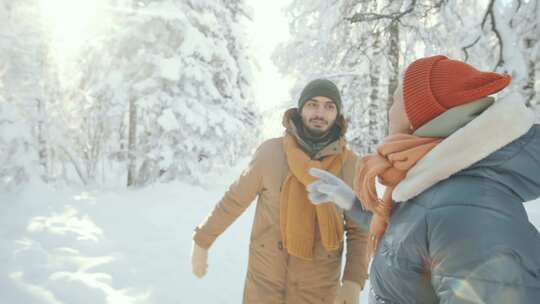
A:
(71, 22)
(272, 90)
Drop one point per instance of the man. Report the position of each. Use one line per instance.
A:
(457, 166)
(296, 247)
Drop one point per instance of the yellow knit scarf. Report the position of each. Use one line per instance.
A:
(297, 214)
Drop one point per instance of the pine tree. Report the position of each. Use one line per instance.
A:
(18, 159)
(23, 75)
(185, 70)
(364, 46)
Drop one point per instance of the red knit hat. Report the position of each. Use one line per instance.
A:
(432, 85)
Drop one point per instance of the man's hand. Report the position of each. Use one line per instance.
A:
(348, 293)
(330, 188)
(199, 257)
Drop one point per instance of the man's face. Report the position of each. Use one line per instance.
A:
(319, 114)
(398, 120)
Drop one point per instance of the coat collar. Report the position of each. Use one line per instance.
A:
(502, 123)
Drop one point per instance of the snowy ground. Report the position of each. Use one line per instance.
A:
(129, 246)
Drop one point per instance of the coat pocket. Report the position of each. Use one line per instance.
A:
(267, 258)
(321, 254)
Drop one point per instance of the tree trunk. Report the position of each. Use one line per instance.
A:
(41, 137)
(374, 79)
(529, 89)
(132, 142)
(75, 164)
(393, 77)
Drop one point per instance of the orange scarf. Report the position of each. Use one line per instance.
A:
(395, 156)
(298, 216)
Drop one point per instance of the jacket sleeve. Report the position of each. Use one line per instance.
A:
(235, 201)
(361, 218)
(356, 264)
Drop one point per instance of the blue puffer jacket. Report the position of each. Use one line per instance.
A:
(466, 239)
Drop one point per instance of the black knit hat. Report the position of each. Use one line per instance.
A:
(320, 87)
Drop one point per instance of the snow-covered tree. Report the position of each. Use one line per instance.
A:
(25, 70)
(162, 91)
(177, 77)
(493, 35)
(331, 39)
(364, 45)
(18, 159)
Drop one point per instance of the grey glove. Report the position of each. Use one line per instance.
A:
(330, 188)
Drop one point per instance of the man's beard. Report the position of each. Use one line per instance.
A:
(315, 132)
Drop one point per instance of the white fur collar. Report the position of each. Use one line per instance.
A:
(503, 122)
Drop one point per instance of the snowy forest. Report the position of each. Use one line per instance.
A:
(364, 46)
(122, 122)
(162, 90)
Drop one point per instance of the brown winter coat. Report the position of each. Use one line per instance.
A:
(273, 275)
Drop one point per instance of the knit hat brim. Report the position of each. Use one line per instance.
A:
(320, 87)
(432, 85)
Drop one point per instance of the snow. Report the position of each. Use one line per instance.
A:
(130, 246)
(124, 246)
(170, 68)
(195, 70)
(168, 121)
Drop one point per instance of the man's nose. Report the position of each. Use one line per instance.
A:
(319, 111)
